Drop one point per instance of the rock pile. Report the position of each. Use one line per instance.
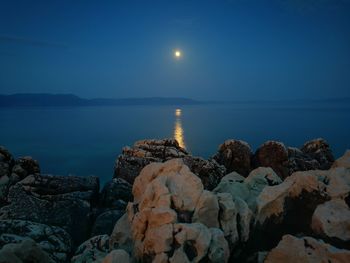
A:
(164, 205)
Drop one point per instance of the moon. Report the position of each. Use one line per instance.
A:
(177, 54)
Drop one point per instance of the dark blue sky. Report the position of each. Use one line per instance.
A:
(238, 49)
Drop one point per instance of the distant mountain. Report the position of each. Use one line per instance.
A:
(54, 100)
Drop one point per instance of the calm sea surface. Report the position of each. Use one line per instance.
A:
(87, 140)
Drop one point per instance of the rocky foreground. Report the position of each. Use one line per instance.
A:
(277, 204)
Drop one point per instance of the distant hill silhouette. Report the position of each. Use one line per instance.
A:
(50, 100)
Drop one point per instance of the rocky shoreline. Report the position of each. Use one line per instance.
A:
(164, 205)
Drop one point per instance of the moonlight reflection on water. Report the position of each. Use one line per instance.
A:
(178, 130)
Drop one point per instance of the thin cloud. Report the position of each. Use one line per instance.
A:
(29, 41)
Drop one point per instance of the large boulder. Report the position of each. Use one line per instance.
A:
(12, 171)
(169, 215)
(117, 256)
(236, 156)
(132, 160)
(24, 251)
(319, 149)
(275, 155)
(53, 240)
(306, 250)
(331, 221)
(130, 163)
(63, 201)
(105, 222)
(299, 161)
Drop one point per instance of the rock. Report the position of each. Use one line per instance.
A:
(343, 161)
(207, 210)
(105, 222)
(236, 156)
(331, 220)
(6, 163)
(319, 149)
(25, 251)
(299, 161)
(114, 191)
(25, 166)
(218, 248)
(117, 256)
(121, 236)
(63, 201)
(93, 250)
(306, 249)
(275, 155)
(130, 163)
(168, 198)
(209, 171)
(53, 240)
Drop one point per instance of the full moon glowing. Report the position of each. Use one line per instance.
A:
(177, 54)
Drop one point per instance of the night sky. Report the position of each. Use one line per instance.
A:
(239, 49)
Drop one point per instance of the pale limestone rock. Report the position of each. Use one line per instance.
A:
(207, 210)
(158, 239)
(228, 217)
(121, 236)
(306, 250)
(338, 182)
(117, 256)
(245, 216)
(171, 215)
(332, 219)
(233, 177)
(194, 239)
(343, 161)
(218, 250)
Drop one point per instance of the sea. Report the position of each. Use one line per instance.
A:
(87, 140)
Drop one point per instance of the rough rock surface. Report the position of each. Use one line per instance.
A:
(94, 249)
(132, 160)
(319, 149)
(275, 155)
(166, 198)
(105, 222)
(63, 201)
(53, 240)
(299, 161)
(343, 161)
(332, 221)
(12, 171)
(236, 156)
(117, 256)
(114, 192)
(24, 252)
(306, 250)
(130, 163)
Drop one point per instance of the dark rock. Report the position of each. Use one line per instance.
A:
(6, 163)
(92, 250)
(132, 160)
(209, 171)
(63, 201)
(299, 161)
(53, 240)
(275, 155)
(105, 222)
(235, 155)
(129, 164)
(114, 191)
(26, 251)
(319, 149)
